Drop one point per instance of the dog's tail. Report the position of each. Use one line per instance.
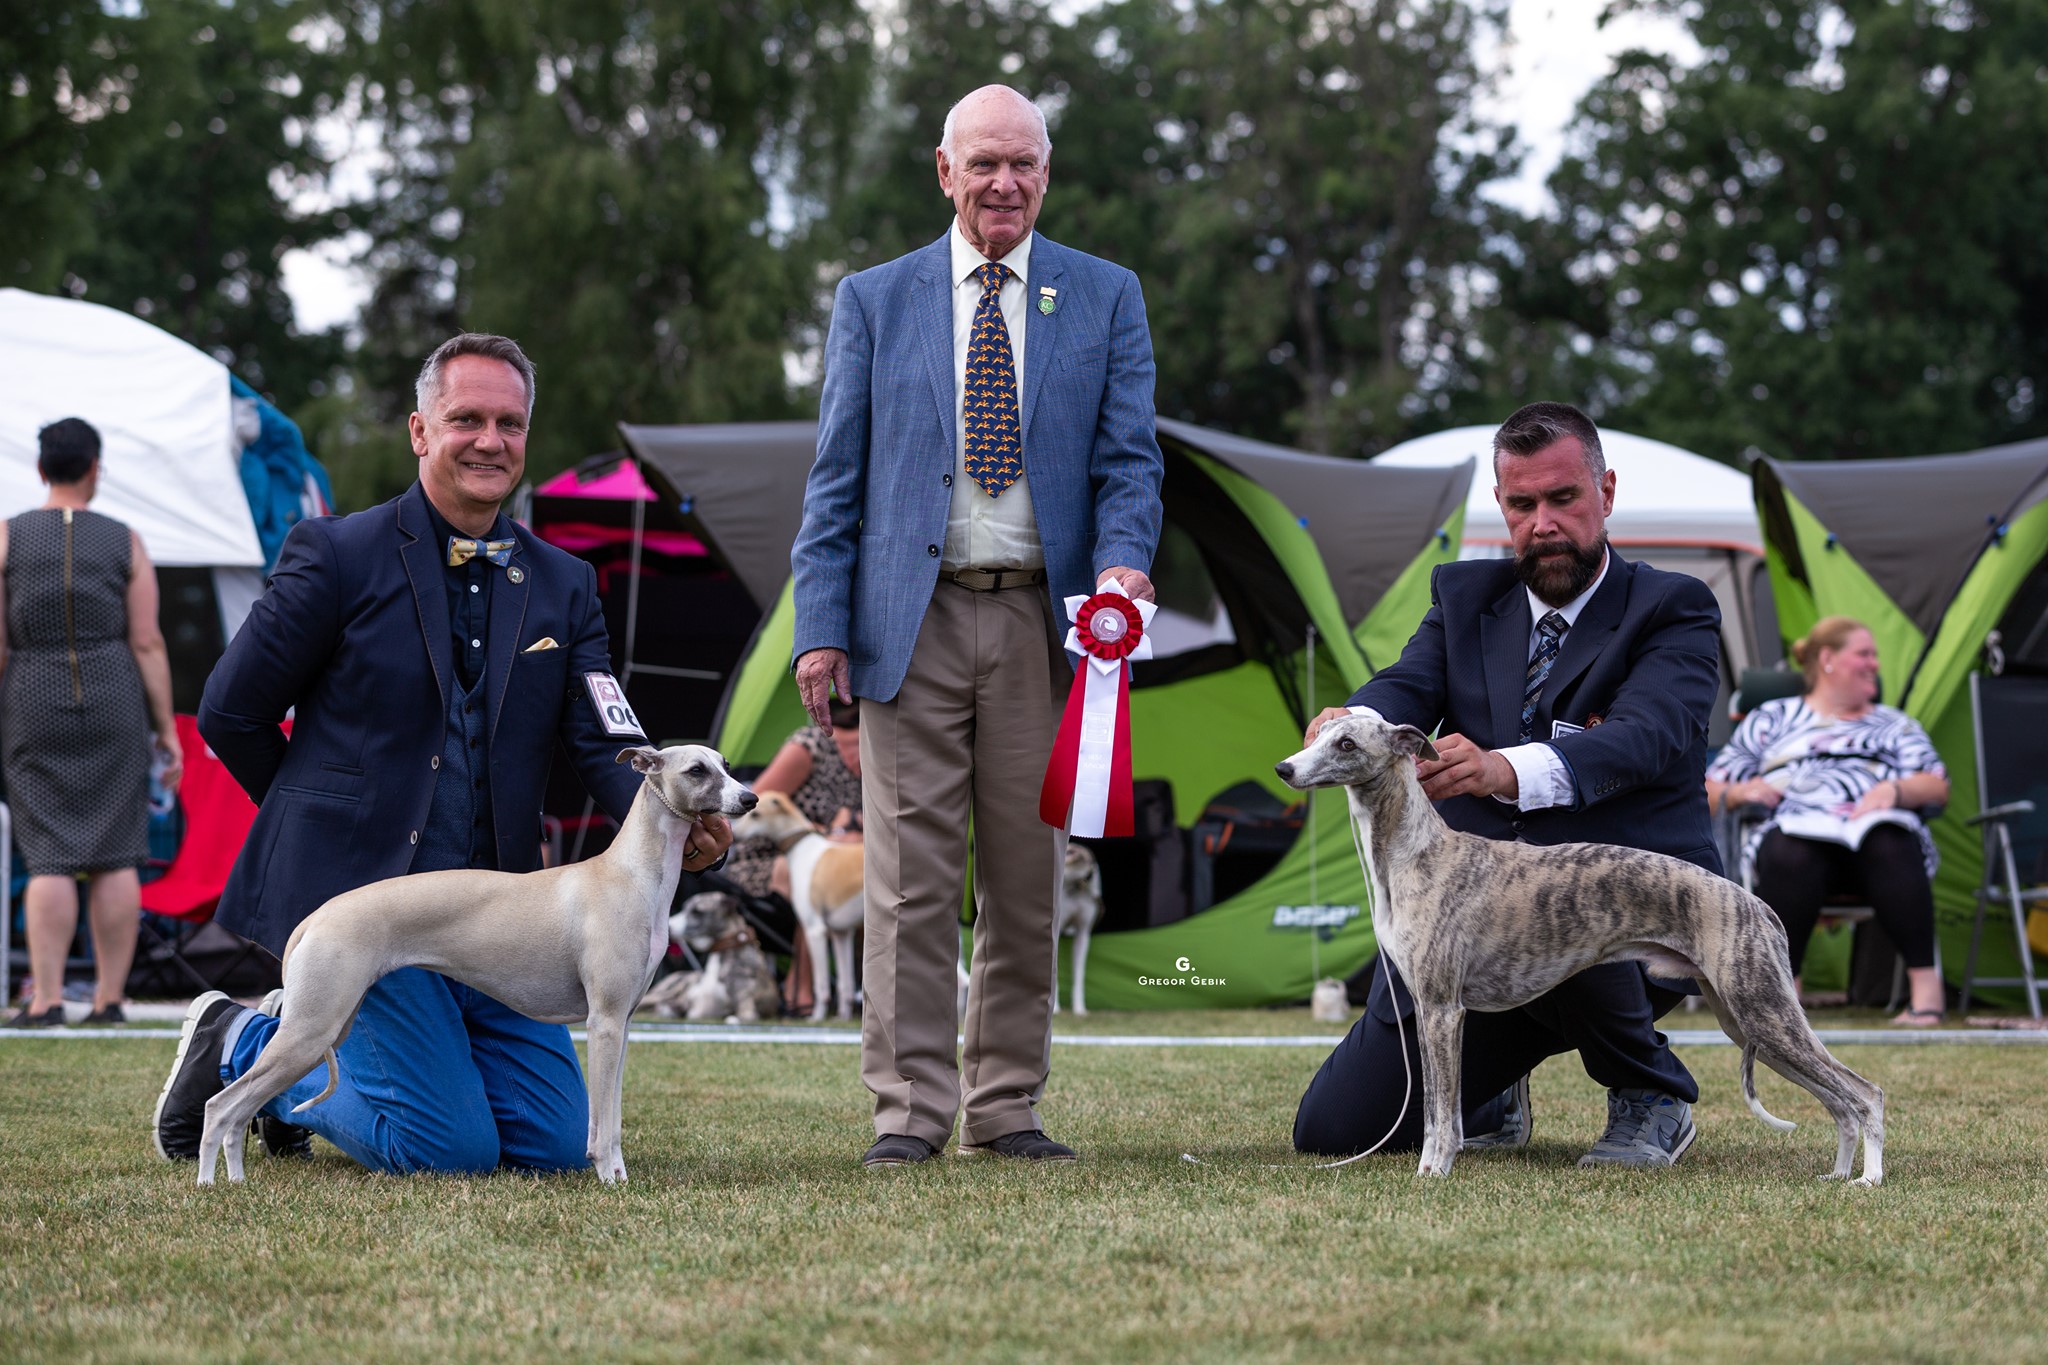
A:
(1749, 1092)
(334, 1079)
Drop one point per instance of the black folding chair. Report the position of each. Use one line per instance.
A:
(2010, 716)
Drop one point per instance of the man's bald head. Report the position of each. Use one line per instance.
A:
(999, 99)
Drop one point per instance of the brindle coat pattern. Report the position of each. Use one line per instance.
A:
(1483, 924)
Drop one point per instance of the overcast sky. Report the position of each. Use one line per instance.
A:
(1555, 52)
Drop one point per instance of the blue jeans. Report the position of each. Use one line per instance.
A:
(436, 1076)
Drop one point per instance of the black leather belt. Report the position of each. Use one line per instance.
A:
(995, 580)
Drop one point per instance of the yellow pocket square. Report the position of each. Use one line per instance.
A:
(544, 642)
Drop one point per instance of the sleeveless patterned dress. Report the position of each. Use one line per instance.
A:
(72, 710)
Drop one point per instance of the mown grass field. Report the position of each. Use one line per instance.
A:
(748, 1230)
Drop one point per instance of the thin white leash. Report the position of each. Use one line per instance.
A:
(1400, 1033)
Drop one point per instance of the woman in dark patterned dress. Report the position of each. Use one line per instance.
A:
(83, 678)
(1843, 778)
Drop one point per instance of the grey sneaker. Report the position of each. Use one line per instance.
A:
(1646, 1128)
(1516, 1124)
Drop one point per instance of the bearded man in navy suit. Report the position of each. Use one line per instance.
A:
(1572, 689)
(986, 448)
(432, 653)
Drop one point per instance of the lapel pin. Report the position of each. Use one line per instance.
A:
(1046, 300)
(516, 574)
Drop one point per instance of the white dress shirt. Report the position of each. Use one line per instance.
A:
(984, 532)
(1541, 778)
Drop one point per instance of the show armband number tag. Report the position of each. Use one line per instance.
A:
(608, 699)
(1560, 728)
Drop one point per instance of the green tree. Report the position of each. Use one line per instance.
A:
(146, 156)
(1825, 239)
(626, 186)
(61, 76)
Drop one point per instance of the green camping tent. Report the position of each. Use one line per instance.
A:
(1939, 555)
(1243, 590)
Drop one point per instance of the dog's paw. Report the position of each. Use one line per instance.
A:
(1865, 1182)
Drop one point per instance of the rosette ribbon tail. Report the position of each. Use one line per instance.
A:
(1087, 788)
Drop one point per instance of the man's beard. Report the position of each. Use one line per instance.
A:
(1557, 581)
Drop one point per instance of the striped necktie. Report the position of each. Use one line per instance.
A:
(995, 439)
(1549, 632)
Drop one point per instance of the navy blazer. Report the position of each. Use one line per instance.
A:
(1639, 670)
(866, 560)
(353, 639)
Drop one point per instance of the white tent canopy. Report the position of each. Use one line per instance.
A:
(170, 464)
(1662, 495)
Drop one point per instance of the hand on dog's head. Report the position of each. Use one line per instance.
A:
(1352, 750)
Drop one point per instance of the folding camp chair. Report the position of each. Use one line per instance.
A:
(180, 951)
(2010, 716)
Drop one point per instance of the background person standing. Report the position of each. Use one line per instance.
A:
(86, 678)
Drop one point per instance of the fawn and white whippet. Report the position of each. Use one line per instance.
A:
(558, 945)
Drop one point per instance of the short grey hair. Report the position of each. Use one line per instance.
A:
(426, 390)
(1044, 131)
(1539, 426)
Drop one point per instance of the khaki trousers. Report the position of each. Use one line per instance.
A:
(970, 732)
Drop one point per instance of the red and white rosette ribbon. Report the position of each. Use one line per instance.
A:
(1088, 783)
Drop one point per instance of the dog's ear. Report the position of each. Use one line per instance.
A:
(1414, 743)
(643, 759)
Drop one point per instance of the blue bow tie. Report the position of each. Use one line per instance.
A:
(461, 551)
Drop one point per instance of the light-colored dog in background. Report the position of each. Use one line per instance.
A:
(1484, 924)
(1078, 912)
(563, 944)
(824, 888)
(1328, 1003)
(738, 982)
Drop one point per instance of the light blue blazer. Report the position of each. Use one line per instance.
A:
(866, 560)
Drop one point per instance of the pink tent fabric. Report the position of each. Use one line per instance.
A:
(621, 483)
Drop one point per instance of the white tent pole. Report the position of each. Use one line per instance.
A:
(1315, 955)
(633, 582)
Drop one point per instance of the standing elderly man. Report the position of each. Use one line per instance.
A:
(1573, 690)
(986, 447)
(432, 654)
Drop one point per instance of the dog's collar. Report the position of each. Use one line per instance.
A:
(739, 938)
(655, 790)
(788, 842)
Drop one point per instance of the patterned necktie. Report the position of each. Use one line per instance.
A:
(995, 439)
(1549, 631)
(461, 551)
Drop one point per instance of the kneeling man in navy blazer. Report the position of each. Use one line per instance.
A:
(1572, 690)
(432, 654)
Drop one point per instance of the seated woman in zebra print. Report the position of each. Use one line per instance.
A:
(1843, 778)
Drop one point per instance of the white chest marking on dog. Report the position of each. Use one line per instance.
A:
(1382, 897)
